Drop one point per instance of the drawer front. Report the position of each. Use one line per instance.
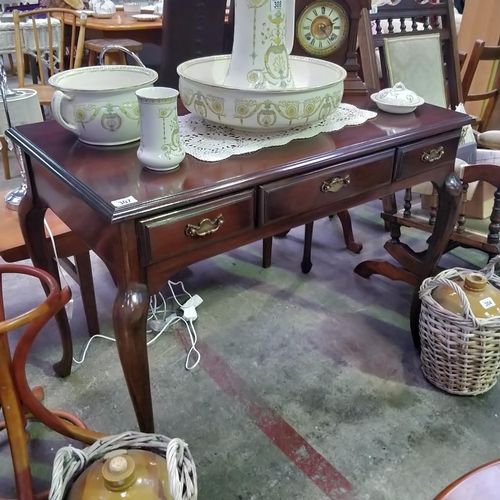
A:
(426, 155)
(303, 193)
(200, 225)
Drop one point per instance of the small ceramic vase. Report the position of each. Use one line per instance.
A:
(160, 148)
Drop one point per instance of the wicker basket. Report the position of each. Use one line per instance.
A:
(460, 353)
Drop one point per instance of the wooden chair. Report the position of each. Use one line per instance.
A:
(112, 56)
(13, 249)
(482, 53)
(52, 47)
(440, 17)
(16, 395)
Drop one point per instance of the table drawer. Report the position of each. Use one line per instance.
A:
(200, 225)
(304, 193)
(426, 155)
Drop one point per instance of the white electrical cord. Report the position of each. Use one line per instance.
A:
(157, 311)
(69, 305)
(158, 315)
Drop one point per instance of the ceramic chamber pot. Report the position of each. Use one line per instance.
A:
(98, 103)
(319, 87)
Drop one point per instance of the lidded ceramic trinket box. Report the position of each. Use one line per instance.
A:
(397, 99)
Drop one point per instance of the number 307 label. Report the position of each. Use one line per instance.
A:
(124, 201)
(487, 302)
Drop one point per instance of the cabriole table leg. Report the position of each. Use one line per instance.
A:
(129, 318)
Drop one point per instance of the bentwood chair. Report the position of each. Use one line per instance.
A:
(17, 400)
(54, 46)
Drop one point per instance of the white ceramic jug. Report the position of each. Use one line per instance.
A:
(263, 40)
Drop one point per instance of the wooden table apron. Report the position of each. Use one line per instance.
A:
(257, 195)
(121, 25)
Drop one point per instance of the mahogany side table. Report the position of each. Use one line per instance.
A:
(170, 221)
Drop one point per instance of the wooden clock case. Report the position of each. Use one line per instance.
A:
(346, 56)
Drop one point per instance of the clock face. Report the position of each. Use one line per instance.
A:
(322, 28)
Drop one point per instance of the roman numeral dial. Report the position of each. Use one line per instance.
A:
(322, 28)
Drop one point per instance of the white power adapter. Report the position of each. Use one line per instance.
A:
(190, 313)
(193, 301)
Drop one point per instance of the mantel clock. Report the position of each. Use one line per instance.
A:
(328, 29)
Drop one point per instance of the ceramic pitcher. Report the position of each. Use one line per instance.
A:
(263, 40)
(160, 147)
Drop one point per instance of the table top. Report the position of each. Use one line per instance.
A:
(119, 22)
(100, 175)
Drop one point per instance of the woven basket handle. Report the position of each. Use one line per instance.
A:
(430, 284)
(489, 270)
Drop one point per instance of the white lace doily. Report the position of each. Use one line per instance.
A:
(210, 142)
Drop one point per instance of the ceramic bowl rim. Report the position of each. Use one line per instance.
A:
(54, 79)
(375, 99)
(181, 71)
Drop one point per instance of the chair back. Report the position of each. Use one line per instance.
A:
(204, 36)
(482, 53)
(411, 18)
(55, 45)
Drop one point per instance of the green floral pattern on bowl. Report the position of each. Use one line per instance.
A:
(110, 117)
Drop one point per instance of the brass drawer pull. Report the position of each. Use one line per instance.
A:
(205, 227)
(335, 184)
(432, 155)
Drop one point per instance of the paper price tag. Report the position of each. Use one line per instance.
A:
(276, 4)
(124, 201)
(487, 302)
(373, 10)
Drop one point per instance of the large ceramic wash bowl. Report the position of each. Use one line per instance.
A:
(98, 103)
(319, 86)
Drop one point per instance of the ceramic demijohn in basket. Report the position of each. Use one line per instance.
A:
(132, 474)
(264, 33)
(459, 328)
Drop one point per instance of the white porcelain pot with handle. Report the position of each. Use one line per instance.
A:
(98, 103)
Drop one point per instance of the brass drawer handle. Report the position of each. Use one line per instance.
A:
(432, 155)
(205, 227)
(335, 184)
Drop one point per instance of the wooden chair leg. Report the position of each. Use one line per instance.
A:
(81, 273)
(27, 64)
(368, 268)
(12, 64)
(350, 243)
(5, 158)
(86, 282)
(306, 264)
(267, 250)
(389, 206)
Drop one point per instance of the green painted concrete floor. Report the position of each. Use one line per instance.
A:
(309, 386)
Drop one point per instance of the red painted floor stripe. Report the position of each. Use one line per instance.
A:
(321, 472)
